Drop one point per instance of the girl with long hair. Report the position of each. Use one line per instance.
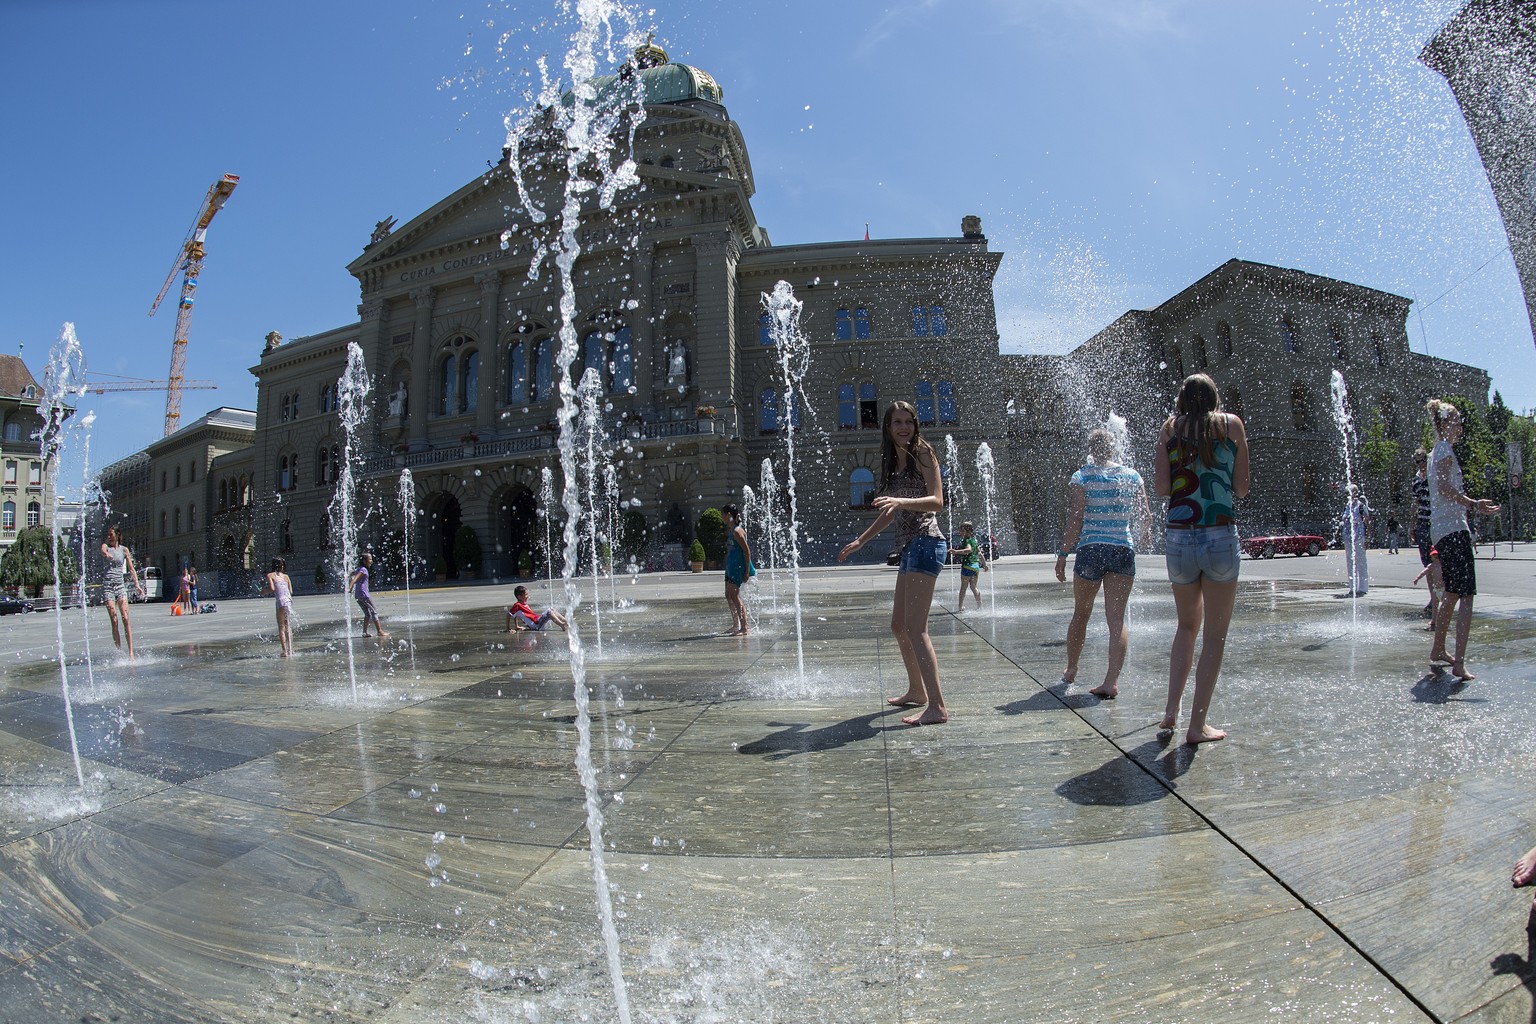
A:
(1201, 468)
(114, 586)
(911, 494)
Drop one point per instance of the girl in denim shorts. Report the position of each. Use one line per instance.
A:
(911, 494)
(1201, 468)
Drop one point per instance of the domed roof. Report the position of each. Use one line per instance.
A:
(663, 81)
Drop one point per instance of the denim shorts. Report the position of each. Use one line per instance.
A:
(1209, 551)
(1094, 560)
(926, 555)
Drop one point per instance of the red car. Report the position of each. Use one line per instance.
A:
(1289, 544)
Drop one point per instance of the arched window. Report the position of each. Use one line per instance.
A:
(192, 516)
(592, 355)
(285, 535)
(768, 411)
(621, 361)
(164, 521)
(178, 476)
(176, 520)
(13, 431)
(1301, 407)
(869, 412)
(448, 385)
(322, 466)
(1288, 342)
(223, 494)
(245, 491)
(324, 532)
(544, 370)
(1381, 350)
(1224, 338)
(844, 325)
(1175, 359)
(765, 330)
(947, 415)
(34, 514)
(283, 474)
(1337, 343)
(847, 407)
(517, 373)
(1233, 400)
(861, 487)
(919, 321)
(938, 324)
(861, 323)
(335, 462)
(469, 393)
(8, 517)
(925, 413)
(285, 409)
(1197, 343)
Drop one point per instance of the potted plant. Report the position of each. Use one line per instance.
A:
(525, 565)
(466, 551)
(696, 556)
(705, 412)
(440, 569)
(711, 532)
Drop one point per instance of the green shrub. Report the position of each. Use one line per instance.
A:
(696, 552)
(710, 532)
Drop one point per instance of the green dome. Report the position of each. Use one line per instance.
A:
(663, 81)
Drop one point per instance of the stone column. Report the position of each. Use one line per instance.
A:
(643, 336)
(370, 337)
(714, 363)
(420, 396)
(490, 348)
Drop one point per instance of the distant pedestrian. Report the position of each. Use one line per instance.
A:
(114, 586)
(1392, 531)
(192, 584)
(1356, 528)
(281, 587)
(358, 584)
(973, 562)
(911, 495)
(1421, 531)
(1449, 503)
(1106, 509)
(1202, 467)
(738, 568)
(182, 604)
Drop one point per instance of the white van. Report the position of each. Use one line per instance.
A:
(150, 577)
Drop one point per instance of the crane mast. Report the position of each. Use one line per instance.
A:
(189, 261)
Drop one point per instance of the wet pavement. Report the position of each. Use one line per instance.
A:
(262, 840)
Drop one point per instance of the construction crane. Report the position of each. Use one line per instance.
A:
(189, 262)
(103, 387)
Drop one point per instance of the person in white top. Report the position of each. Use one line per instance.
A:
(114, 586)
(1448, 505)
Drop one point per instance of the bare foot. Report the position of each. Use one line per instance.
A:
(1069, 677)
(906, 700)
(1168, 723)
(1459, 670)
(932, 716)
(1525, 870)
(1436, 657)
(383, 635)
(1205, 735)
(1107, 693)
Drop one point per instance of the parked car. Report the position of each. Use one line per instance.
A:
(1285, 544)
(14, 605)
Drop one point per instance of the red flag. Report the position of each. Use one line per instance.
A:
(866, 231)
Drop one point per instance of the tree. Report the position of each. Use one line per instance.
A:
(1379, 452)
(28, 562)
(632, 537)
(710, 531)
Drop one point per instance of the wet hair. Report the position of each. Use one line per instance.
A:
(732, 511)
(519, 591)
(112, 537)
(279, 565)
(366, 558)
(1199, 407)
(967, 526)
(916, 450)
(1440, 413)
(1101, 444)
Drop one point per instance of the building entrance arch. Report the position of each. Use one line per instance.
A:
(444, 517)
(519, 532)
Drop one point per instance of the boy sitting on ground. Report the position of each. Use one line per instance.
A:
(520, 616)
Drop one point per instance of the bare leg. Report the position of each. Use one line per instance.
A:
(1084, 593)
(1117, 594)
(1219, 599)
(916, 694)
(1443, 613)
(914, 598)
(737, 608)
(1525, 870)
(127, 627)
(1463, 630)
(282, 631)
(117, 640)
(1189, 607)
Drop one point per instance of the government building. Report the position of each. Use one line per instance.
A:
(460, 340)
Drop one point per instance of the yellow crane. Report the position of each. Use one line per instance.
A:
(189, 262)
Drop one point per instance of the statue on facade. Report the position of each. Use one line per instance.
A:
(397, 400)
(381, 230)
(273, 340)
(677, 363)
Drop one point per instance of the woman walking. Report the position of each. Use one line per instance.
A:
(114, 587)
(738, 568)
(911, 494)
(1202, 467)
(281, 587)
(1104, 500)
(1448, 528)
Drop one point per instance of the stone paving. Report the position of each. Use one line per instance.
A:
(261, 840)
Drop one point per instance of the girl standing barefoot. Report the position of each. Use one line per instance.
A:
(114, 588)
(738, 568)
(1452, 537)
(280, 585)
(911, 495)
(1201, 467)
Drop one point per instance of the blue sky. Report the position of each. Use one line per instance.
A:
(1116, 150)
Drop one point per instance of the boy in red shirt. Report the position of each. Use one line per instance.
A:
(520, 616)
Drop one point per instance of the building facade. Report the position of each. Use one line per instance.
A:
(1273, 340)
(26, 486)
(1487, 54)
